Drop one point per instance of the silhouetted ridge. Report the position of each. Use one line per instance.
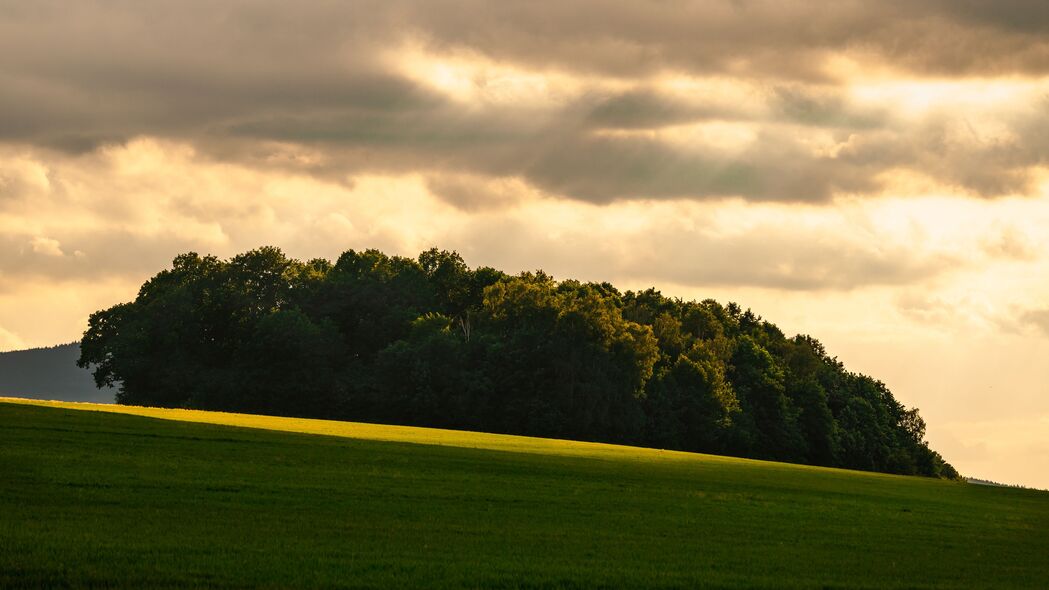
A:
(49, 373)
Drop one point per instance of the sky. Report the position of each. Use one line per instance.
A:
(871, 173)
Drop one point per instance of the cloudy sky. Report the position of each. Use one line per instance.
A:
(871, 173)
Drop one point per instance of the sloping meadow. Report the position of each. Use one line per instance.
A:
(104, 496)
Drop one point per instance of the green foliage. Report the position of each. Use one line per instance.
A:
(292, 363)
(432, 342)
(564, 360)
(771, 428)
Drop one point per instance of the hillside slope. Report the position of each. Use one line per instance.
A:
(109, 498)
(49, 373)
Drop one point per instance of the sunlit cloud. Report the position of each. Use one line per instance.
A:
(10, 341)
(919, 96)
(472, 78)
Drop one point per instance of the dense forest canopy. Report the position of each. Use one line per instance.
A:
(432, 342)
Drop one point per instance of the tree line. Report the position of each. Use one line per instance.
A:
(432, 342)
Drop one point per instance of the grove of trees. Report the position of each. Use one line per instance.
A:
(432, 342)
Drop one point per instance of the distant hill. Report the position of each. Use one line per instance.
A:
(49, 373)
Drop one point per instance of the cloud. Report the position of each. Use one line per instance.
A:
(10, 341)
(747, 38)
(582, 100)
(46, 246)
(20, 176)
(821, 107)
(1037, 319)
(688, 255)
(164, 198)
(1010, 243)
(104, 255)
(471, 193)
(649, 109)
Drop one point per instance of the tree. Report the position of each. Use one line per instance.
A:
(290, 367)
(430, 341)
(430, 378)
(772, 419)
(690, 405)
(569, 361)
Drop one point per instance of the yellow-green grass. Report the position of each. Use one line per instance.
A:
(405, 434)
(147, 497)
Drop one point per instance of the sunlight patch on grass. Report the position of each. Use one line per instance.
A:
(418, 435)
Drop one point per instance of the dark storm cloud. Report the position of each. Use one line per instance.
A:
(229, 77)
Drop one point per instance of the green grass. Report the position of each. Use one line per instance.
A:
(110, 498)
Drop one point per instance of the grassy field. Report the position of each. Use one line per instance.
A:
(167, 498)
